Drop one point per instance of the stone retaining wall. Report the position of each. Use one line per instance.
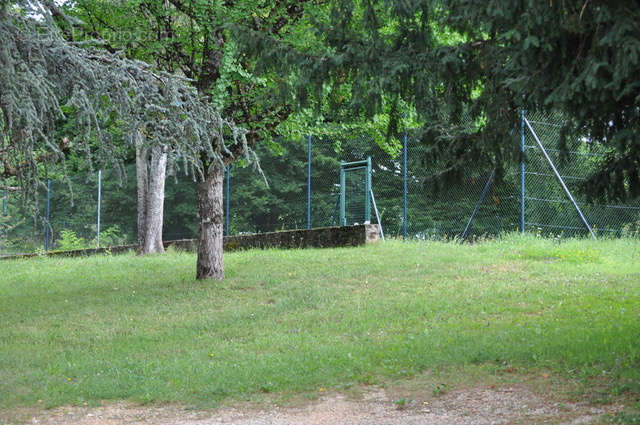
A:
(322, 237)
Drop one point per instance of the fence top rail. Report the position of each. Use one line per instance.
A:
(354, 164)
(535, 173)
(585, 204)
(545, 123)
(571, 152)
(603, 229)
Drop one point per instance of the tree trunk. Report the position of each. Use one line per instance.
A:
(155, 201)
(150, 178)
(210, 264)
(141, 184)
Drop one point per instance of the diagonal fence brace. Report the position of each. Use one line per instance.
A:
(564, 186)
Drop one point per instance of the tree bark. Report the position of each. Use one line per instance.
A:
(155, 201)
(142, 179)
(210, 238)
(151, 168)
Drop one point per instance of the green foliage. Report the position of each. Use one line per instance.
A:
(458, 59)
(112, 236)
(69, 241)
(439, 390)
(196, 38)
(402, 403)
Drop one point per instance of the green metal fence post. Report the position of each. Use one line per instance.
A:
(226, 199)
(367, 196)
(47, 217)
(522, 188)
(309, 182)
(4, 207)
(404, 188)
(343, 216)
(99, 204)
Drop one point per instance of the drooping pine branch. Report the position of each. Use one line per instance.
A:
(43, 76)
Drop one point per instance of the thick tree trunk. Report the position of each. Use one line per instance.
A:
(142, 179)
(150, 177)
(210, 264)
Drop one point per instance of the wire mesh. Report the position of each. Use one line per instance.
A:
(22, 227)
(439, 203)
(355, 195)
(275, 201)
(548, 209)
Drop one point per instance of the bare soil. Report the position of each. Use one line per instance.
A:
(509, 404)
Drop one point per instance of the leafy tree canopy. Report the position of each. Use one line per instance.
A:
(468, 67)
(194, 38)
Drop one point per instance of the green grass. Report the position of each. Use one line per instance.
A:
(141, 328)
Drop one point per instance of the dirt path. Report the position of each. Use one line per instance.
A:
(480, 405)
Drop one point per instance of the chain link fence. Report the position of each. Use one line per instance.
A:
(66, 215)
(548, 207)
(412, 198)
(433, 210)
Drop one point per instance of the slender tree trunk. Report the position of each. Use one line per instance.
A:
(210, 264)
(155, 201)
(150, 177)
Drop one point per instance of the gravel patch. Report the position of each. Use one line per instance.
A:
(475, 406)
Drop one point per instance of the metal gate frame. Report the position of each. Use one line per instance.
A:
(351, 166)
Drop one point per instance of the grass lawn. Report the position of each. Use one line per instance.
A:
(141, 328)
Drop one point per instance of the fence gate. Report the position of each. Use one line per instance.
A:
(355, 192)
